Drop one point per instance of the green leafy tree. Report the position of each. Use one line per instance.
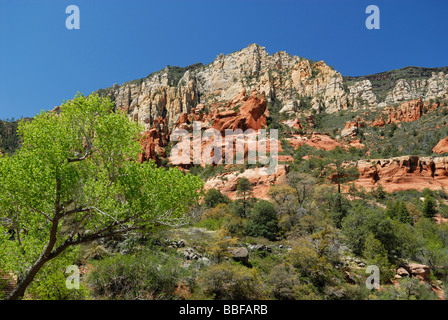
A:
(303, 185)
(263, 221)
(213, 197)
(244, 188)
(75, 179)
(375, 254)
(398, 210)
(429, 207)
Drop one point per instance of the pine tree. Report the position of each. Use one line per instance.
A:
(429, 207)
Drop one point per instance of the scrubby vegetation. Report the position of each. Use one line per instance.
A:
(309, 242)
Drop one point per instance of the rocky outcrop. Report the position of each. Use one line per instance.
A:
(173, 90)
(407, 112)
(361, 94)
(260, 179)
(250, 116)
(434, 87)
(351, 127)
(403, 173)
(316, 140)
(415, 270)
(154, 141)
(441, 146)
(239, 254)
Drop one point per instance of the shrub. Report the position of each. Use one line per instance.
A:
(263, 221)
(375, 254)
(213, 197)
(227, 281)
(310, 264)
(218, 249)
(212, 219)
(141, 276)
(283, 283)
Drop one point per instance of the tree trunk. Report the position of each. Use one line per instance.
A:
(19, 291)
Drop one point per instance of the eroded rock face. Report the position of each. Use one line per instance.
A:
(250, 116)
(403, 173)
(361, 93)
(259, 178)
(351, 127)
(154, 141)
(407, 112)
(169, 93)
(441, 146)
(434, 87)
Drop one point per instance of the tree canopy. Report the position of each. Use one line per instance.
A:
(75, 179)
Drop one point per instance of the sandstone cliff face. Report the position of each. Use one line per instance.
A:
(404, 173)
(433, 88)
(259, 178)
(172, 91)
(280, 76)
(361, 94)
(441, 147)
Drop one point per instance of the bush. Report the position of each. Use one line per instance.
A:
(146, 275)
(214, 197)
(310, 264)
(227, 281)
(263, 221)
(283, 283)
(375, 254)
(397, 238)
(213, 218)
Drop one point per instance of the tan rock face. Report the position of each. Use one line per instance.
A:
(260, 179)
(419, 271)
(403, 173)
(434, 87)
(441, 147)
(227, 79)
(361, 93)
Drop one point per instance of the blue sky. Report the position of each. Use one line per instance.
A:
(43, 63)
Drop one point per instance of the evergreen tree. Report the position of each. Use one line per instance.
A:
(429, 207)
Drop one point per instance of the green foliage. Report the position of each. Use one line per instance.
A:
(226, 281)
(263, 221)
(284, 284)
(398, 210)
(375, 254)
(50, 282)
(244, 188)
(362, 221)
(218, 249)
(213, 197)
(145, 275)
(75, 179)
(311, 264)
(429, 207)
(408, 289)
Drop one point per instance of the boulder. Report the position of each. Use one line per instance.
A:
(402, 272)
(419, 271)
(239, 254)
(441, 147)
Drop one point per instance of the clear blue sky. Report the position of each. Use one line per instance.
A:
(42, 63)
